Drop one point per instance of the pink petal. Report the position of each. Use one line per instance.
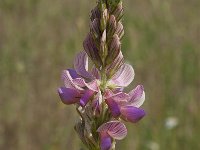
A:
(119, 97)
(81, 65)
(132, 114)
(137, 96)
(79, 82)
(68, 80)
(124, 76)
(93, 85)
(115, 129)
(69, 96)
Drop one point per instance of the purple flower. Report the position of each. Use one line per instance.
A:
(80, 85)
(98, 93)
(68, 95)
(125, 105)
(109, 131)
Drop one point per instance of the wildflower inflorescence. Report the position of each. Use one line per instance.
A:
(98, 93)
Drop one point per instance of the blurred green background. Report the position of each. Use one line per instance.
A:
(39, 38)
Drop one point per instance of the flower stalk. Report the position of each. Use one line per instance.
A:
(98, 93)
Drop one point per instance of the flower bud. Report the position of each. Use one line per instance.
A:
(118, 12)
(95, 28)
(92, 50)
(113, 49)
(111, 25)
(120, 30)
(95, 13)
(104, 19)
(103, 52)
(115, 65)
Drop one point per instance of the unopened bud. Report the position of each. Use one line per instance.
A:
(115, 65)
(120, 30)
(92, 50)
(95, 28)
(103, 47)
(118, 12)
(95, 13)
(111, 25)
(113, 49)
(104, 19)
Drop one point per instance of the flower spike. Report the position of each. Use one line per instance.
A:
(98, 92)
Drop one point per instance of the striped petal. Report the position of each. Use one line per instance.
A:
(67, 77)
(124, 76)
(93, 85)
(120, 97)
(132, 114)
(115, 129)
(137, 96)
(69, 96)
(81, 65)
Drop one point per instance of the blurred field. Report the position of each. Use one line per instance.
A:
(39, 38)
